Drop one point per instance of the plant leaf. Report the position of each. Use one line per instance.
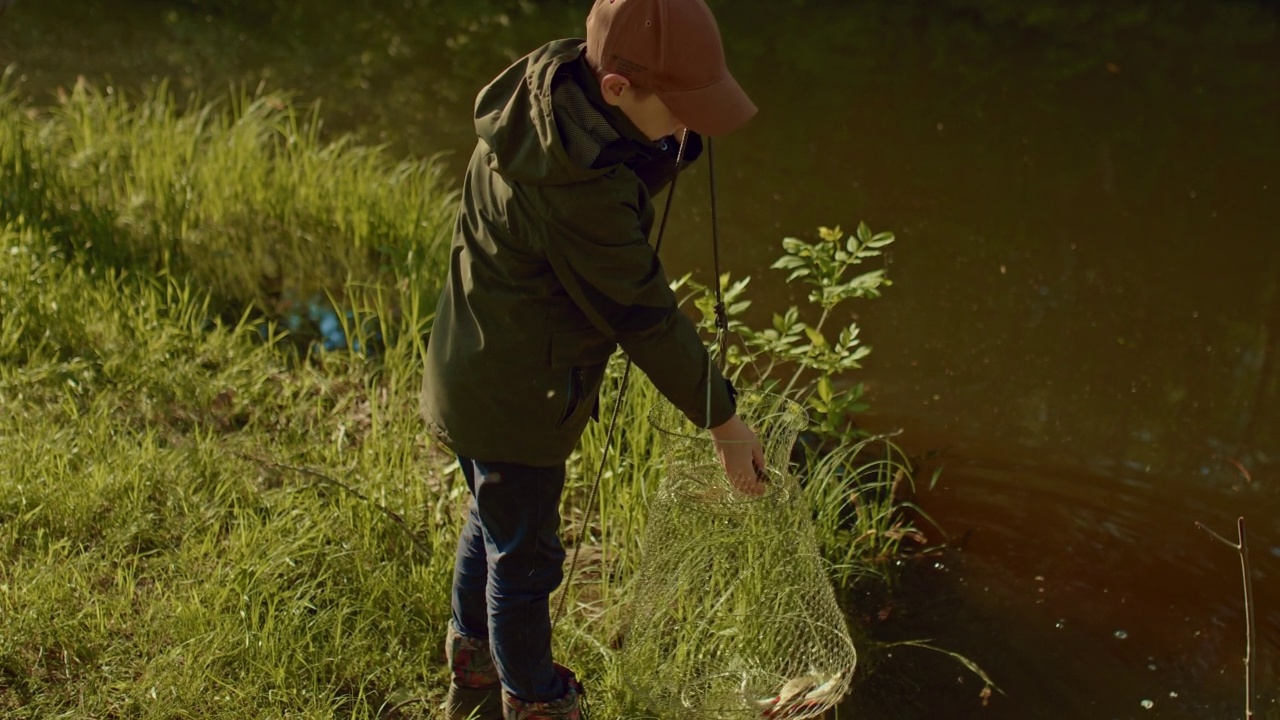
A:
(824, 388)
(815, 337)
(881, 239)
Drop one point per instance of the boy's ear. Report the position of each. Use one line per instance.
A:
(612, 86)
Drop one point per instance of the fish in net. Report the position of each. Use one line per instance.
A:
(733, 614)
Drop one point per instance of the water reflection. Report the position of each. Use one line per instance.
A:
(1082, 595)
(1087, 303)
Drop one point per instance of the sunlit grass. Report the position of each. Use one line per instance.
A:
(159, 552)
(246, 198)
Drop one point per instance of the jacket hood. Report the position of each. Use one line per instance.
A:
(515, 118)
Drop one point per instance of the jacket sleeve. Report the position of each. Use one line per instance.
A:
(599, 252)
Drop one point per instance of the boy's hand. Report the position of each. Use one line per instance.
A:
(741, 455)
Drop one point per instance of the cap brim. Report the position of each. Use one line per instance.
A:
(717, 109)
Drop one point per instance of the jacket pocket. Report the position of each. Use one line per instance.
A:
(574, 394)
(585, 354)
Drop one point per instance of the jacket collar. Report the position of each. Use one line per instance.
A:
(633, 147)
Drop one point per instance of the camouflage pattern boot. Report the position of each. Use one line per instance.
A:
(474, 690)
(568, 707)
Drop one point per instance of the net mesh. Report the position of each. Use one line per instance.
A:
(733, 613)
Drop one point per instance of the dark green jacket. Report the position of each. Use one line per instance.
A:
(550, 270)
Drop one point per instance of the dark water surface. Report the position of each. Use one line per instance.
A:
(1085, 321)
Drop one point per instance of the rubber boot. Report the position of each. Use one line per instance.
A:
(475, 692)
(567, 707)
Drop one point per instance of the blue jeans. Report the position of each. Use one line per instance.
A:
(509, 562)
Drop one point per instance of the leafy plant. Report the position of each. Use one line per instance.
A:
(854, 483)
(827, 265)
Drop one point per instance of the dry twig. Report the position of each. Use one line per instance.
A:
(1242, 548)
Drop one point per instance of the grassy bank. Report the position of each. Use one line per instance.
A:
(243, 197)
(202, 516)
(159, 562)
(160, 558)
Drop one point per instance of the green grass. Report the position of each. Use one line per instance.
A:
(200, 517)
(159, 560)
(247, 199)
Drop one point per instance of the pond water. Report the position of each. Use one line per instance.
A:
(1085, 320)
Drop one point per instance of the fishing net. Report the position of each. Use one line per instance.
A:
(733, 613)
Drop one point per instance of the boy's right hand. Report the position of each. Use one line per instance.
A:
(741, 455)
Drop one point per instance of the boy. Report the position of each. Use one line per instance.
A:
(550, 271)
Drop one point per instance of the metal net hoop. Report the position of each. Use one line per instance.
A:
(693, 468)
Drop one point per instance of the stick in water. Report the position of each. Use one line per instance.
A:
(1242, 548)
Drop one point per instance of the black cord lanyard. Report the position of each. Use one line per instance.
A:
(722, 315)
